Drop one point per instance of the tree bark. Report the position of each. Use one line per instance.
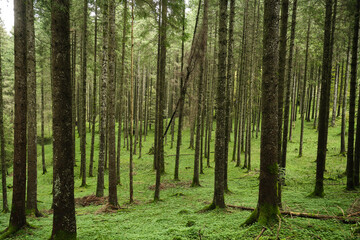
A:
(324, 104)
(17, 217)
(64, 222)
(351, 131)
(83, 95)
(94, 98)
(344, 103)
(267, 209)
(103, 103)
(335, 99)
(31, 201)
(221, 119)
(304, 90)
(5, 207)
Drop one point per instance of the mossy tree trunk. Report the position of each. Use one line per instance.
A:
(64, 222)
(267, 210)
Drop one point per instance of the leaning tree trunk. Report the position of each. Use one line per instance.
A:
(64, 222)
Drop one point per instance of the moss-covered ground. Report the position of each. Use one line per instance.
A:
(177, 216)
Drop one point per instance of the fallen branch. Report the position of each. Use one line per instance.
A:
(261, 233)
(305, 215)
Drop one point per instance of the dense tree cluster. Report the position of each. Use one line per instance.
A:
(230, 71)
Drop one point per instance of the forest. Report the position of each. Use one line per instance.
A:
(180, 119)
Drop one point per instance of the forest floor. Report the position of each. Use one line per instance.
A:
(177, 215)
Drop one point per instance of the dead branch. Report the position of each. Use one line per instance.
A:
(347, 219)
(261, 233)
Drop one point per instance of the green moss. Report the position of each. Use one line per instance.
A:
(268, 214)
(273, 168)
(61, 235)
(252, 218)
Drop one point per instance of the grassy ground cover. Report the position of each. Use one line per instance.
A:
(177, 215)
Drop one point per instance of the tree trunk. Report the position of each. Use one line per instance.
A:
(131, 108)
(304, 91)
(324, 104)
(267, 209)
(181, 100)
(17, 217)
(335, 99)
(351, 131)
(221, 119)
(5, 207)
(94, 99)
(344, 104)
(83, 95)
(103, 104)
(160, 114)
(31, 201)
(64, 222)
(287, 118)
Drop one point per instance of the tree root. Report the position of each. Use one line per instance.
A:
(11, 230)
(348, 219)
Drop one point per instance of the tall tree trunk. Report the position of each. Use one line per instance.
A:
(83, 95)
(94, 98)
(324, 104)
(103, 103)
(31, 201)
(203, 45)
(64, 222)
(111, 106)
(351, 131)
(160, 114)
(335, 99)
(17, 217)
(131, 190)
(122, 80)
(5, 207)
(282, 68)
(229, 89)
(289, 80)
(73, 89)
(267, 209)
(344, 103)
(318, 98)
(181, 100)
(221, 119)
(304, 90)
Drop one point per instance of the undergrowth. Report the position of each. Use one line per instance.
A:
(178, 215)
